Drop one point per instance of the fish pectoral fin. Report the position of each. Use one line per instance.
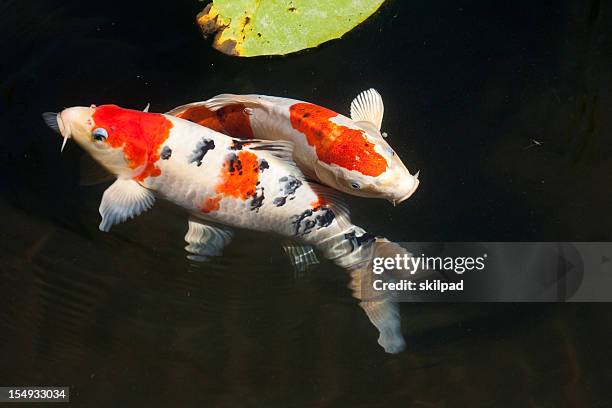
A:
(335, 201)
(300, 256)
(368, 107)
(205, 240)
(123, 200)
(281, 149)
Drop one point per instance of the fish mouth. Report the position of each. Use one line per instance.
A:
(396, 202)
(55, 122)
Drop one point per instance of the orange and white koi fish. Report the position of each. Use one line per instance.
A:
(348, 154)
(223, 183)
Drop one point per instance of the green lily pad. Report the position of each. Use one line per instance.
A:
(248, 28)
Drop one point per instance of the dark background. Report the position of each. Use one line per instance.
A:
(125, 320)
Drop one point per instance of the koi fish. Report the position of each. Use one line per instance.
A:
(348, 154)
(224, 183)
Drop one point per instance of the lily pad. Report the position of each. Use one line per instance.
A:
(249, 28)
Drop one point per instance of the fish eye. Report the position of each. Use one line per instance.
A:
(355, 185)
(100, 134)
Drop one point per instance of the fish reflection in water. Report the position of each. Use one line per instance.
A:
(225, 183)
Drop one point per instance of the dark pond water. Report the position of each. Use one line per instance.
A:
(125, 320)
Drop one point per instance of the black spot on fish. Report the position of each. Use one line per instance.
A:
(201, 149)
(234, 164)
(357, 241)
(304, 222)
(165, 153)
(325, 219)
(238, 144)
(263, 164)
(258, 199)
(289, 185)
(298, 220)
(309, 225)
(280, 201)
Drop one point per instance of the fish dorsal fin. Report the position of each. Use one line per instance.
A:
(205, 240)
(335, 201)
(300, 256)
(368, 106)
(249, 101)
(182, 108)
(123, 200)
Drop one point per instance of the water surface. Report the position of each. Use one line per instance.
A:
(125, 320)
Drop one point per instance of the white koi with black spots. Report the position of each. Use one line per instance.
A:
(222, 183)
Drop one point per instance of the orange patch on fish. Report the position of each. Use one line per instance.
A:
(336, 144)
(319, 203)
(230, 119)
(211, 204)
(139, 134)
(239, 178)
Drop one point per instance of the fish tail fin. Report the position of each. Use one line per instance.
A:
(382, 311)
